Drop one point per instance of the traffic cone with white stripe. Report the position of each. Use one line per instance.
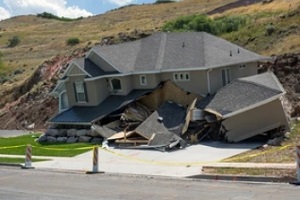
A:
(95, 162)
(28, 158)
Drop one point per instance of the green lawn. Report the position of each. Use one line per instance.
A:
(18, 160)
(17, 146)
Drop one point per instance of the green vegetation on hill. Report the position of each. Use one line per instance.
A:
(1, 62)
(202, 22)
(52, 16)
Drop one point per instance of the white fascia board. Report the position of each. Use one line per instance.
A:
(173, 70)
(253, 106)
(59, 82)
(72, 65)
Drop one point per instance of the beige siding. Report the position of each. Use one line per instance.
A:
(235, 72)
(70, 89)
(75, 70)
(197, 83)
(126, 83)
(255, 121)
(152, 81)
(215, 80)
(239, 71)
(97, 91)
(101, 63)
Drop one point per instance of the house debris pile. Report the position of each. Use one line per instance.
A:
(171, 118)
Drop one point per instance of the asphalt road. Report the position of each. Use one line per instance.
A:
(33, 184)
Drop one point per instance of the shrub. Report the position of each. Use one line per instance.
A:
(73, 41)
(270, 29)
(14, 41)
(52, 16)
(206, 24)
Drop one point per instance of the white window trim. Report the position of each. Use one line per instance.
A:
(141, 79)
(182, 74)
(226, 75)
(60, 101)
(112, 88)
(84, 92)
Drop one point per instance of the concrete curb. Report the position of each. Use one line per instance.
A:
(272, 179)
(10, 165)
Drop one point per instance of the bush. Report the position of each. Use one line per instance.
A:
(52, 16)
(270, 29)
(73, 41)
(1, 63)
(14, 41)
(206, 24)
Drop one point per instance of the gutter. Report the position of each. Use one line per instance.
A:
(208, 81)
(176, 70)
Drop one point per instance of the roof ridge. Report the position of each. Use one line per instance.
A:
(161, 51)
(260, 85)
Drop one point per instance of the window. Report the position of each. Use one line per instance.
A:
(181, 76)
(143, 80)
(80, 92)
(116, 84)
(225, 76)
(63, 98)
(242, 66)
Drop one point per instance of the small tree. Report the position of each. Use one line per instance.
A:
(14, 41)
(73, 41)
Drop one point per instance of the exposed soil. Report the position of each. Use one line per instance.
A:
(31, 103)
(236, 4)
(287, 69)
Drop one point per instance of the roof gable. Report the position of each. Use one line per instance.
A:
(242, 94)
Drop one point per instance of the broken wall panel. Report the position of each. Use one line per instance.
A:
(255, 121)
(169, 91)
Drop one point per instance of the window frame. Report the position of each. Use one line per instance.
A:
(112, 85)
(83, 93)
(227, 76)
(181, 76)
(143, 80)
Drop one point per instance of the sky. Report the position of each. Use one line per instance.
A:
(65, 8)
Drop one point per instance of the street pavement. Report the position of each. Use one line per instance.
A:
(17, 184)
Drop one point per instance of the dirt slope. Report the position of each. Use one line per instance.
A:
(42, 39)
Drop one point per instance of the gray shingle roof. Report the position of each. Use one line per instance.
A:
(90, 67)
(85, 115)
(173, 117)
(242, 93)
(171, 51)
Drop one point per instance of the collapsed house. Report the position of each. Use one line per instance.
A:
(213, 83)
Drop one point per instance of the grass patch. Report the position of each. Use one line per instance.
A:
(6, 160)
(250, 171)
(17, 145)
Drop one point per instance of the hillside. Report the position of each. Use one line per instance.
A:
(32, 67)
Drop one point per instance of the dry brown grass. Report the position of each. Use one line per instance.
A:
(42, 39)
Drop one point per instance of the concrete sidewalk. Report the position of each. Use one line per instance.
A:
(181, 163)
